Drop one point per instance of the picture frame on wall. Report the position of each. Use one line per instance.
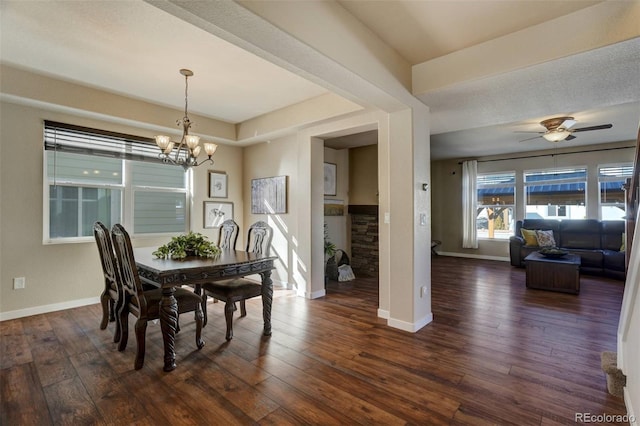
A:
(269, 195)
(216, 212)
(217, 184)
(330, 179)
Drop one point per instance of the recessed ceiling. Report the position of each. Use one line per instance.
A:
(135, 49)
(424, 30)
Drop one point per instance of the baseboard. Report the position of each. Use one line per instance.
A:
(410, 327)
(474, 256)
(383, 314)
(628, 402)
(319, 293)
(44, 309)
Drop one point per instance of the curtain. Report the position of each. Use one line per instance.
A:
(469, 203)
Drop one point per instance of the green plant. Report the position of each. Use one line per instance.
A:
(191, 244)
(329, 247)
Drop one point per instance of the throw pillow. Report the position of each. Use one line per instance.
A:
(624, 241)
(529, 235)
(545, 239)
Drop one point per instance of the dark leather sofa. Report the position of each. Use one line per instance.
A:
(596, 242)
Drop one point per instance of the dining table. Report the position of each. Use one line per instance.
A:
(194, 271)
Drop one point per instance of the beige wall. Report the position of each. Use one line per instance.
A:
(338, 226)
(276, 158)
(363, 175)
(447, 183)
(59, 276)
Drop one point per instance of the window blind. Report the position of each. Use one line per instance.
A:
(62, 137)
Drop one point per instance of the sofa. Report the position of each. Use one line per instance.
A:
(598, 243)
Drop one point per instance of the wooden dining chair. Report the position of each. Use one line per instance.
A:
(110, 295)
(227, 239)
(145, 304)
(240, 289)
(228, 235)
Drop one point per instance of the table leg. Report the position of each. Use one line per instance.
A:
(168, 325)
(267, 301)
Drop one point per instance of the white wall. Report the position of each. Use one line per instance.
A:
(629, 331)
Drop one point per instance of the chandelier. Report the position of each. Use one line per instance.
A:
(187, 150)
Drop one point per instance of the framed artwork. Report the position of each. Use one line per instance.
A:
(269, 195)
(217, 184)
(329, 179)
(333, 207)
(216, 212)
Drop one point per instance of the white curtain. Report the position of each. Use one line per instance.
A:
(469, 203)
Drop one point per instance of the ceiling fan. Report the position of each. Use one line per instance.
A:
(559, 129)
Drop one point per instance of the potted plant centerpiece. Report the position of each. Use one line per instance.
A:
(191, 244)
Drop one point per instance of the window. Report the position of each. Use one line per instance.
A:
(496, 200)
(556, 193)
(94, 175)
(611, 179)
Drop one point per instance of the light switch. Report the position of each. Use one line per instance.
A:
(387, 217)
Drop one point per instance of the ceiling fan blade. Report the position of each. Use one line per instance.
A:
(535, 137)
(600, 127)
(568, 138)
(568, 123)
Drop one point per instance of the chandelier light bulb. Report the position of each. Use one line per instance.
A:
(192, 141)
(162, 141)
(210, 148)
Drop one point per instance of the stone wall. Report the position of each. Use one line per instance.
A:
(364, 244)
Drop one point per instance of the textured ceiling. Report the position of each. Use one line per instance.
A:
(136, 49)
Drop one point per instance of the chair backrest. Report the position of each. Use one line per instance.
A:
(228, 235)
(259, 238)
(131, 284)
(107, 256)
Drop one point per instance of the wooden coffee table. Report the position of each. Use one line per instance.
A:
(555, 274)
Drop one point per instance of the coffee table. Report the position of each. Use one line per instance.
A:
(555, 274)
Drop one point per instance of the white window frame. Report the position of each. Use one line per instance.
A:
(127, 202)
(481, 185)
(626, 170)
(551, 181)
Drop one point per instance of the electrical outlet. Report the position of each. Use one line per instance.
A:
(19, 283)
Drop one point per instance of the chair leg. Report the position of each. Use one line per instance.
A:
(117, 307)
(141, 331)
(203, 308)
(124, 328)
(105, 300)
(228, 316)
(199, 325)
(243, 309)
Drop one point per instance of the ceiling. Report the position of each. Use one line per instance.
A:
(134, 49)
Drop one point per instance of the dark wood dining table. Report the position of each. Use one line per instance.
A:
(192, 270)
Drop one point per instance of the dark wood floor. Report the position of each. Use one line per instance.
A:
(496, 353)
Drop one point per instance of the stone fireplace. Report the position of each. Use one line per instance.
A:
(364, 240)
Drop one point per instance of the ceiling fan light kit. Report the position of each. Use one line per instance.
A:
(559, 129)
(556, 135)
